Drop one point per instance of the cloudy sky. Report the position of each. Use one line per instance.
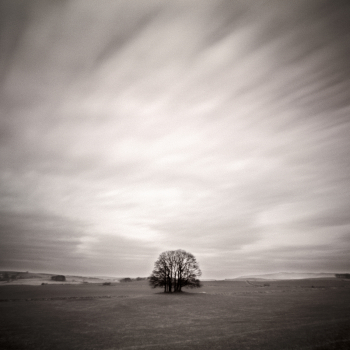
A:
(133, 127)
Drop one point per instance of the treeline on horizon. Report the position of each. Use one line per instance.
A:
(8, 276)
(128, 279)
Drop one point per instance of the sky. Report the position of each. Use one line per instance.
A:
(129, 128)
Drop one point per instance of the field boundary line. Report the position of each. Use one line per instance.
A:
(64, 298)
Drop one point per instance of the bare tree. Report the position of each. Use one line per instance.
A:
(175, 269)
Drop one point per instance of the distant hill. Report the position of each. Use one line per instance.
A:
(17, 277)
(285, 276)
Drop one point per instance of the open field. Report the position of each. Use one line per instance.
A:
(294, 314)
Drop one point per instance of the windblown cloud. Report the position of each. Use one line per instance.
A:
(129, 128)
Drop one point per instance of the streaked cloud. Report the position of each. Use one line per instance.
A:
(131, 128)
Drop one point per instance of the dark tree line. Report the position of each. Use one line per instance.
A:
(8, 277)
(174, 270)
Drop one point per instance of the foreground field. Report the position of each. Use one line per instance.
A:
(298, 314)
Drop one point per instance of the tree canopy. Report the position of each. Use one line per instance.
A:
(175, 269)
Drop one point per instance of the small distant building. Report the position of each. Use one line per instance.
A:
(59, 278)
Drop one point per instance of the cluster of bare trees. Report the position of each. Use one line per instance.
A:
(175, 269)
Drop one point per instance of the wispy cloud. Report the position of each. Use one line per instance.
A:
(131, 128)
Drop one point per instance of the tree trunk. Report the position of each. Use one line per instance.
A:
(175, 282)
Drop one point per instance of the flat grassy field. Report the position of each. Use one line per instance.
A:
(294, 314)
